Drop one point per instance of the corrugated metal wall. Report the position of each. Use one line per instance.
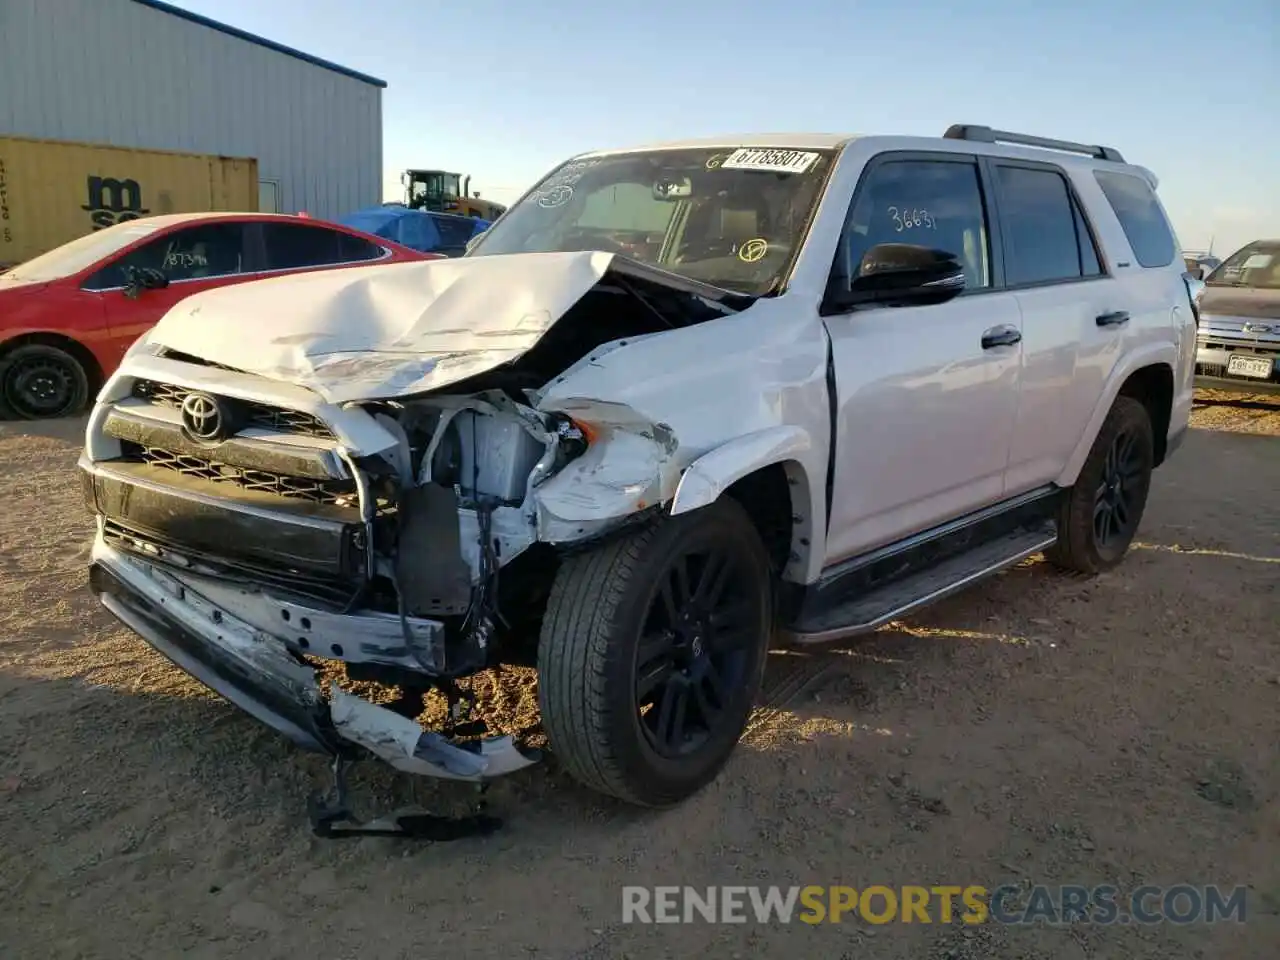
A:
(120, 73)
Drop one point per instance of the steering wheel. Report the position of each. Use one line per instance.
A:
(582, 240)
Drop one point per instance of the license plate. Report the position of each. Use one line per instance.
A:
(1259, 367)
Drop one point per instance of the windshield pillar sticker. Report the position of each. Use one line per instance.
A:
(557, 190)
(769, 160)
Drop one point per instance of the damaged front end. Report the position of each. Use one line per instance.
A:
(252, 530)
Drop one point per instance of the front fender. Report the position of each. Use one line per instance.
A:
(1145, 356)
(714, 472)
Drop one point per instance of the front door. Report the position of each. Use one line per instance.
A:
(197, 257)
(925, 396)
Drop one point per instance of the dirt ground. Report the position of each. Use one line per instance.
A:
(1042, 728)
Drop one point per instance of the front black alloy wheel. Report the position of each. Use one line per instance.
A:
(1101, 512)
(695, 649)
(652, 653)
(39, 382)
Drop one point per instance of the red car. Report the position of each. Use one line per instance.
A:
(68, 316)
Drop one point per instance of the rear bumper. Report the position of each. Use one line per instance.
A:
(206, 628)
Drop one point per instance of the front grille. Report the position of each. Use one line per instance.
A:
(260, 415)
(340, 493)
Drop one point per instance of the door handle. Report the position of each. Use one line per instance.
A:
(1001, 336)
(1113, 319)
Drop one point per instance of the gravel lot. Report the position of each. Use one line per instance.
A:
(1121, 729)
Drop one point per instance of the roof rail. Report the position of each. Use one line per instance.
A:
(981, 134)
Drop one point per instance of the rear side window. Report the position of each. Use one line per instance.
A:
(292, 246)
(1045, 237)
(1135, 205)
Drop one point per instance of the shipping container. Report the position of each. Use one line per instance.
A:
(52, 191)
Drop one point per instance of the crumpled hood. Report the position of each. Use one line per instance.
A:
(1249, 303)
(383, 331)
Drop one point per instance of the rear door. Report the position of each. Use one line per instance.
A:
(202, 255)
(1069, 347)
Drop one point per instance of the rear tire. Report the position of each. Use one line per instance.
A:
(652, 653)
(40, 382)
(1101, 512)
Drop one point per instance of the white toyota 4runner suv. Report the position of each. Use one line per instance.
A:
(678, 401)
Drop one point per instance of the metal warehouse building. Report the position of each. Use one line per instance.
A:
(144, 74)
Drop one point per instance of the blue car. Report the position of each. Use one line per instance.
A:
(443, 233)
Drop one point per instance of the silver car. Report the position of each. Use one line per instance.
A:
(1238, 341)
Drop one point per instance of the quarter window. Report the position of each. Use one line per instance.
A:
(293, 246)
(934, 203)
(200, 252)
(1045, 236)
(1138, 211)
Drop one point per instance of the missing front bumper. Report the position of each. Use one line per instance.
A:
(256, 671)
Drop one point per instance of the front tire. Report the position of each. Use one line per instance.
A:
(1101, 512)
(652, 653)
(39, 382)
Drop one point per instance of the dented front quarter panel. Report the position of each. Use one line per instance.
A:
(689, 392)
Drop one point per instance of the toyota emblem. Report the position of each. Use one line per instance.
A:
(203, 418)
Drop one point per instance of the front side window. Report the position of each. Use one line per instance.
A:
(1255, 265)
(200, 252)
(1045, 236)
(1138, 211)
(931, 203)
(732, 218)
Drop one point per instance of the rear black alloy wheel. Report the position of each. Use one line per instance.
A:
(38, 382)
(1101, 512)
(1114, 513)
(652, 653)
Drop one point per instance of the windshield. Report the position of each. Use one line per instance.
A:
(1255, 265)
(733, 218)
(71, 258)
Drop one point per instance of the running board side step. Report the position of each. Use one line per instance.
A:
(883, 604)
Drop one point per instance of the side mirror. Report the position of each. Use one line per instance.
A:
(903, 274)
(138, 279)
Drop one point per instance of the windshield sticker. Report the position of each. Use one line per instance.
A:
(556, 196)
(1258, 261)
(557, 190)
(753, 250)
(716, 160)
(774, 161)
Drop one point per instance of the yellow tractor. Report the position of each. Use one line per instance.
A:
(442, 192)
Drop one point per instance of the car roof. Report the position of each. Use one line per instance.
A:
(837, 141)
(160, 221)
(803, 141)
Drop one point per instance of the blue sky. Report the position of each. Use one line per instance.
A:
(505, 89)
